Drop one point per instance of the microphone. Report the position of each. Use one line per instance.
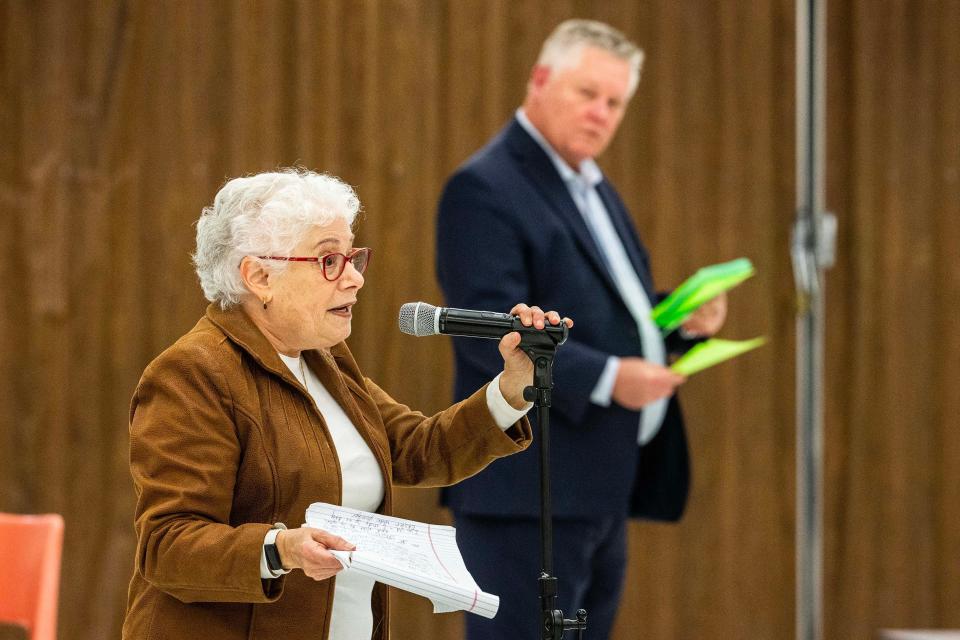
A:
(422, 319)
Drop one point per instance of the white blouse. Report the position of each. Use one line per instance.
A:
(363, 489)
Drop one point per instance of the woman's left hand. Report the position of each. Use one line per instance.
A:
(517, 366)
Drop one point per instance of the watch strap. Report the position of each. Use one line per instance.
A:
(271, 553)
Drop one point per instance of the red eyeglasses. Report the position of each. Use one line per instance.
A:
(333, 264)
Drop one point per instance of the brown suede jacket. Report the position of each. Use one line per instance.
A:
(224, 441)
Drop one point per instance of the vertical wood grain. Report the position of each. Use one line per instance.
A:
(120, 120)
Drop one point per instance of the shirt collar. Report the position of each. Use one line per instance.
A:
(589, 173)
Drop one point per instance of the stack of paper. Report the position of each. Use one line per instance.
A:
(705, 284)
(420, 558)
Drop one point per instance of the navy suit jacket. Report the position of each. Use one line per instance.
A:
(507, 232)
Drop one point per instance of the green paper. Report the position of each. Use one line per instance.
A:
(713, 351)
(706, 284)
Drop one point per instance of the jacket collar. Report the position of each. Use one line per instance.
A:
(541, 172)
(241, 330)
(588, 173)
(328, 365)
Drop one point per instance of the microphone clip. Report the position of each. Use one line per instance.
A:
(541, 348)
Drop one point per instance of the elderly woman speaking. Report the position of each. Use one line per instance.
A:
(261, 409)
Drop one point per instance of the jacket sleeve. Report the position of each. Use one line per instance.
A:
(449, 446)
(483, 262)
(184, 454)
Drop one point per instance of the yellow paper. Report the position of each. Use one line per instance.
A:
(713, 351)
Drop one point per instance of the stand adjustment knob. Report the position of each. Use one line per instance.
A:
(552, 625)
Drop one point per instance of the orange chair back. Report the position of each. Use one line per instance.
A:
(30, 549)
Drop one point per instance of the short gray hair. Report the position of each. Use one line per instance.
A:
(564, 46)
(264, 214)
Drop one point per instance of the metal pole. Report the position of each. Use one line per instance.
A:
(812, 253)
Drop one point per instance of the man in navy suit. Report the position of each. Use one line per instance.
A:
(531, 217)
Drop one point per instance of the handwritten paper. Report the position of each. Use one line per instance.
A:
(414, 556)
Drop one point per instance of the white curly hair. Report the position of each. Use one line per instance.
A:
(264, 214)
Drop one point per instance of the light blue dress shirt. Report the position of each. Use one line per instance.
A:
(583, 189)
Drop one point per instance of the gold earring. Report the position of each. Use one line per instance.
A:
(264, 305)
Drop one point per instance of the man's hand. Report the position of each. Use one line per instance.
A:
(640, 382)
(307, 548)
(709, 318)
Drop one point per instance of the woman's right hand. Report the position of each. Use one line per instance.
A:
(306, 548)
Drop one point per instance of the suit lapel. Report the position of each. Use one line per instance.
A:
(628, 236)
(539, 170)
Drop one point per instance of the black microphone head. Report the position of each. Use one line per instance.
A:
(419, 319)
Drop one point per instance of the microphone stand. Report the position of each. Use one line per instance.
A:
(541, 347)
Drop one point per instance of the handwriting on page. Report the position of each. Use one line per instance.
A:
(414, 556)
(395, 539)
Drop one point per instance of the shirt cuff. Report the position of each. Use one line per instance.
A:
(265, 572)
(503, 414)
(603, 391)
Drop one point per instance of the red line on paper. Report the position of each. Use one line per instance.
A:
(437, 556)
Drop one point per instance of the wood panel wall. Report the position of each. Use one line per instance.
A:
(119, 121)
(893, 490)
